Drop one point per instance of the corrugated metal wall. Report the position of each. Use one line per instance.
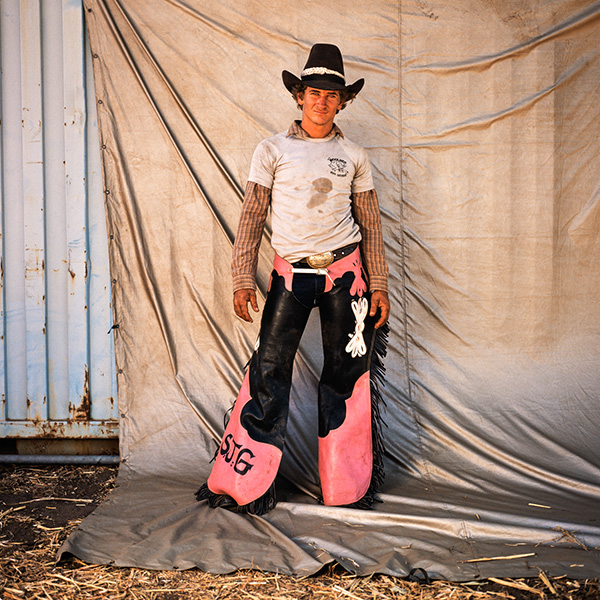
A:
(57, 373)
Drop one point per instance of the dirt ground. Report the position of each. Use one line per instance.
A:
(41, 505)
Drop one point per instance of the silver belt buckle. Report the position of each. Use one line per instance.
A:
(320, 261)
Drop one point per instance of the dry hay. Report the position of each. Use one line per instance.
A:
(40, 506)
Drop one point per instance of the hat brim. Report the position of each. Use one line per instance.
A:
(319, 83)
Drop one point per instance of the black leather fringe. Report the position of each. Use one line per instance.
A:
(215, 500)
(378, 352)
(260, 506)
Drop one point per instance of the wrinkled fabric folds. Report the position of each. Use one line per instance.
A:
(481, 120)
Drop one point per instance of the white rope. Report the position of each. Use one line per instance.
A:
(356, 346)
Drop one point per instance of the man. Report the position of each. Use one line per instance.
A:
(329, 253)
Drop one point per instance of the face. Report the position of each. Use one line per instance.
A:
(319, 108)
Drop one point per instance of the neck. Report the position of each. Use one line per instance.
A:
(316, 131)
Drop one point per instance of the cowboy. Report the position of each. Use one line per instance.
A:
(326, 233)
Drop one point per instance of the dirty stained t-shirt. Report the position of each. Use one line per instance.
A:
(311, 182)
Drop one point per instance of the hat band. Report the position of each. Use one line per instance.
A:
(322, 71)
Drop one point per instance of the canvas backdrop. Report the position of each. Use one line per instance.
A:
(482, 122)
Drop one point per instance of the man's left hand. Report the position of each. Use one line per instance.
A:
(380, 301)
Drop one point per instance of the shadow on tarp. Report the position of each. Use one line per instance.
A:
(157, 524)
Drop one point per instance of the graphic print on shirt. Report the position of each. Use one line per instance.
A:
(338, 166)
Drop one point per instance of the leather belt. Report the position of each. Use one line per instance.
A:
(324, 259)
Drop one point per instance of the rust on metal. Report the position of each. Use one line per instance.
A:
(68, 429)
(83, 411)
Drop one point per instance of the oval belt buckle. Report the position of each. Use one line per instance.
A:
(320, 261)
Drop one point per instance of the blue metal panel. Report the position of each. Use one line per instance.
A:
(57, 372)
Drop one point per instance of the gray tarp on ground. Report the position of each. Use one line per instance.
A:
(482, 121)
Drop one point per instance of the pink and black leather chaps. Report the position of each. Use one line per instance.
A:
(350, 441)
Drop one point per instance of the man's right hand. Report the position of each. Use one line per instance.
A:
(240, 303)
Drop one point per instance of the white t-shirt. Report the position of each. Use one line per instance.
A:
(311, 181)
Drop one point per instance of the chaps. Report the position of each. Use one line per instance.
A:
(350, 442)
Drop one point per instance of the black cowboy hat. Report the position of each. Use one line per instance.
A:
(324, 70)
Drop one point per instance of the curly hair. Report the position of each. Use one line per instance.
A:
(299, 89)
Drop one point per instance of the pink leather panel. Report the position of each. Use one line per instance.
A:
(346, 453)
(244, 468)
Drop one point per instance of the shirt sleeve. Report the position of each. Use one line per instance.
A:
(257, 199)
(365, 208)
(262, 167)
(363, 178)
